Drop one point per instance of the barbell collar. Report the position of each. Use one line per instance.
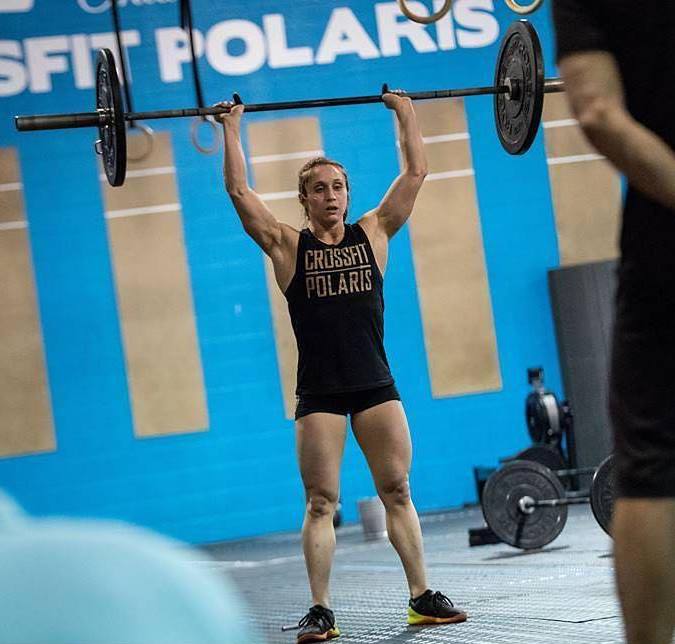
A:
(526, 505)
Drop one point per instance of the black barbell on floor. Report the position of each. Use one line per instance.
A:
(525, 504)
(518, 90)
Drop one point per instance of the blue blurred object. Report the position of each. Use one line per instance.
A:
(66, 581)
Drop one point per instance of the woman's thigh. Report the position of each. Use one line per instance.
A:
(320, 439)
(383, 435)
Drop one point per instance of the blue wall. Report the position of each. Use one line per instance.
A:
(239, 478)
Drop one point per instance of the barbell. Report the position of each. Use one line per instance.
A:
(518, 90)
(525, 504)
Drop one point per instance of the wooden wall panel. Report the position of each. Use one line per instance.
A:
(154, 295)
(26, 423)
(586, 189)
(450, 269)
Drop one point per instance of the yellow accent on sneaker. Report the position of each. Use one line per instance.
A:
(314, 637)
(415, 619)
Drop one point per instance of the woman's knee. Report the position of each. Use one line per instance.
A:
(395, 491)
(321, 503)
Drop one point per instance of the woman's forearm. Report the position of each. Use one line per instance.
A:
(645, 159)
(412, 145)
(234, 164)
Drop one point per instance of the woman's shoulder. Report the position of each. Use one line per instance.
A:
(367, 225)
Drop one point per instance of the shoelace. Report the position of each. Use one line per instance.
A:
(439, 598)
(318, 617)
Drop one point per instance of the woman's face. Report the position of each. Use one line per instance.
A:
(326, 195)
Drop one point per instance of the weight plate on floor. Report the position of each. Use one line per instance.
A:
(502, 513)
(602, 493)
(520, 63)
(112, 132)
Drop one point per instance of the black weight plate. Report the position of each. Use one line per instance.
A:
(602, 493)
(112, 132)
(501, 495)
(544, 454)
(542, 414)
(520, 60)
(536, 417)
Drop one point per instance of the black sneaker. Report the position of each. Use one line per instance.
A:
(318, 625)
(433, 608)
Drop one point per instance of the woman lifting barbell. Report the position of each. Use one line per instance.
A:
(331, 274)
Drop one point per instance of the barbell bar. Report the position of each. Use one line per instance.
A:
(102, 116)
(518, 92)
(527, 504)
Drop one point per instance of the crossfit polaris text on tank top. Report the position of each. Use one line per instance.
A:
(337, 311)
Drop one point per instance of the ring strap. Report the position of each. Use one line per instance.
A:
(186, 25)
(123, 65)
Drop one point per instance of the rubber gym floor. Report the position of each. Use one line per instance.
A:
(561, 593)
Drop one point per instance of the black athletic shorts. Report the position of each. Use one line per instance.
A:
(350, 402)
(642, 394)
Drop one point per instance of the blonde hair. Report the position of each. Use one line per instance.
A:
(305, 171)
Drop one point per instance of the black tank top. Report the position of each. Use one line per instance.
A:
(337, 311)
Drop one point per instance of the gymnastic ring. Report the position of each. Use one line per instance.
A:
(195, 139)
(148, 133)
(425, 20)
(523, 9)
